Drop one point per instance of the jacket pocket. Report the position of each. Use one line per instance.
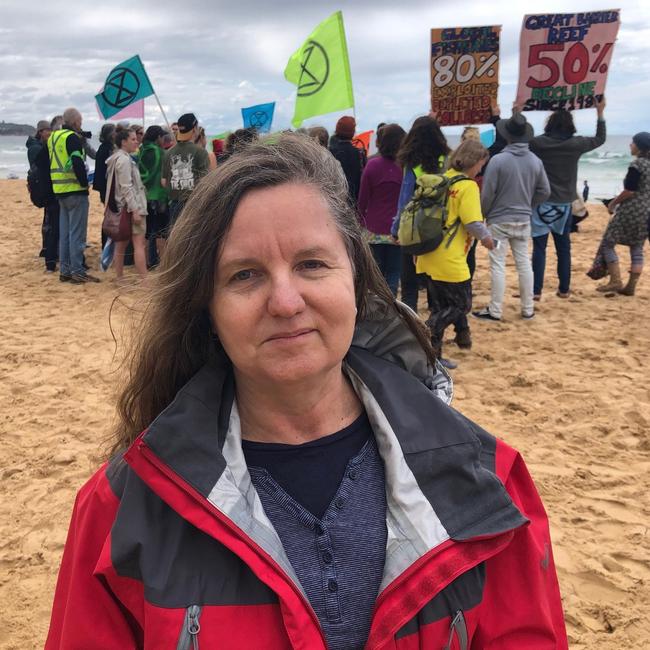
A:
(458, 629)
(188, 639)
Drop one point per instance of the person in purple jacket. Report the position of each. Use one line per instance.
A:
(378, 197)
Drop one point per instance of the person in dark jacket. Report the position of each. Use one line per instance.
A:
(559, 150)
(104, 152)
(351, 159)
(285, 474)
(39, 164)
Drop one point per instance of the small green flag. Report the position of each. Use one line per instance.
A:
(321, 71)
(126, 83)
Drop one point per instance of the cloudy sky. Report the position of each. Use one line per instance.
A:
(213, 57)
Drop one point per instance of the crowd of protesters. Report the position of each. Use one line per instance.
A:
(519, 190)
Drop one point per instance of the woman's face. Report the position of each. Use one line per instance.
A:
(284, 304)
(634, 150)
(131, 143)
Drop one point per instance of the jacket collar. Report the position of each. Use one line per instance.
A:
(440, 487)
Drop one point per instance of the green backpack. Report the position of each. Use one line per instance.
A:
(423, 221)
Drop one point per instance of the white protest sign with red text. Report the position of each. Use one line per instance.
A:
(564, 59)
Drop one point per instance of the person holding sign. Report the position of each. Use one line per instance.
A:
(560, 149)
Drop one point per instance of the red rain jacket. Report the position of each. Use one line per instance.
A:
(166, 550)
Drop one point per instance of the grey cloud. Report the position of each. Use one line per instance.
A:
(197, 53)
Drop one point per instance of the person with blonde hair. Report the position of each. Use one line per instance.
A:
(449, 281)
(470, 133)
(202, 141)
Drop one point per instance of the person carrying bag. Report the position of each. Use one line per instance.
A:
(126, 205)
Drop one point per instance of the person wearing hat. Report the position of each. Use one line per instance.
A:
(630, 224)
(513, 184)
(183, 166)
(150, 163)
(351, 158)
(560, 150)
(39, 167)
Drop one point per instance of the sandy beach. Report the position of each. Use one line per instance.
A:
(569, 389)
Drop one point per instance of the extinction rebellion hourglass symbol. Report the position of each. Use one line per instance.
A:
(121, 88)
(314, 69)
(258, 119)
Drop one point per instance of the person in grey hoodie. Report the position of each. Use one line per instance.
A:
(513, 184)
(560, 150)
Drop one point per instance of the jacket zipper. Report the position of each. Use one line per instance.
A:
(460, 624)
(172, 476)
(189, 636)
(458, 629)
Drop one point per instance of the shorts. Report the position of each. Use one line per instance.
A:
(139, 228)
(157, 220)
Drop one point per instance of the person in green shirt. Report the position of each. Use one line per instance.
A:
(150, 165)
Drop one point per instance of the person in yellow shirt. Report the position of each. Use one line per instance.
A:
(448, 277)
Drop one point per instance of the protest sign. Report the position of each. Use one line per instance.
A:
(464, 73)
(564, 59)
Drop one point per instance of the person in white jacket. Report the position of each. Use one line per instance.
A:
(130, 193)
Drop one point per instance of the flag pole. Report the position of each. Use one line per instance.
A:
(162, 110)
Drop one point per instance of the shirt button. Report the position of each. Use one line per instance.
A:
(353, 474)
(332, 585)
(327, 557)
(339, 503)
(319, 529)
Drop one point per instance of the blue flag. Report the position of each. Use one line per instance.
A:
(258, 117)
(488, 137)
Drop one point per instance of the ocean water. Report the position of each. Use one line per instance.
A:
(604, 168)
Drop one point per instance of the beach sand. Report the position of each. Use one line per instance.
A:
(569, 389)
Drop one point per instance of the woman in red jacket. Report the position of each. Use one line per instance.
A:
(285, 473)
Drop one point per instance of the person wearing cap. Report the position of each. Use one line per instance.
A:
(560, 150)
(183, 166)
(39, 165)
(351, 158)
(630, 224)
(513, 184)
(150, 163)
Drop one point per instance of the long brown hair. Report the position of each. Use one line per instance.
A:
(174, 339)
(424, 144)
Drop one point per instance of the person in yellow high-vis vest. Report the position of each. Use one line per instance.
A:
(70, 185)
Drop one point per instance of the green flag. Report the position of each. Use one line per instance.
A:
(321, 71)
(126, 83)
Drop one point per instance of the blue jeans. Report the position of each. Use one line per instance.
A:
(563, 251)
(73, 229)
(389, 261)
